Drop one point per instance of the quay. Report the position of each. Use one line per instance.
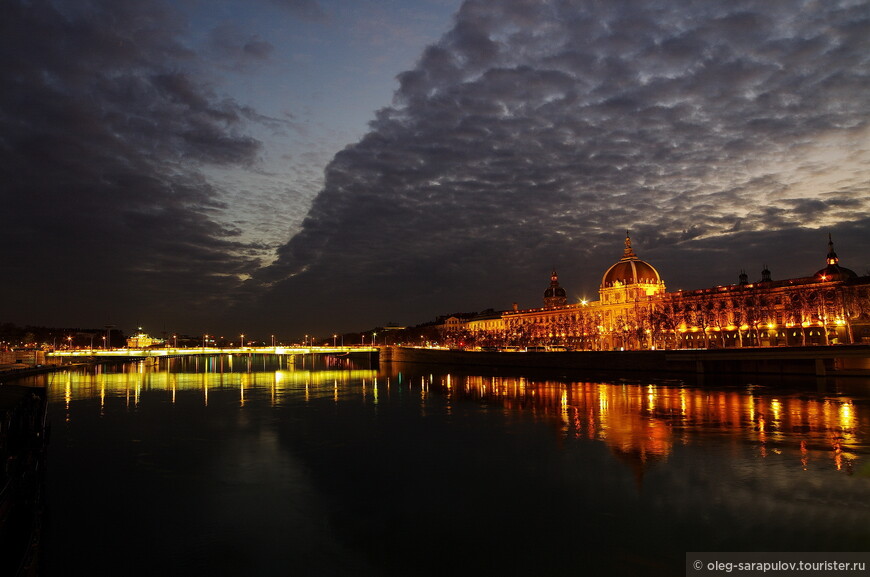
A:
(837, 360)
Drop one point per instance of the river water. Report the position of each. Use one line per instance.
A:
(235, 466)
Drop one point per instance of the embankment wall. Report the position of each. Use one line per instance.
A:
(819, 361)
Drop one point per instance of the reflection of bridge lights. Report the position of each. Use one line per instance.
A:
(846, 417)
(776, 408)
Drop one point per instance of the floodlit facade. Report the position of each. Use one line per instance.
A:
(142, 341)
(635, 312)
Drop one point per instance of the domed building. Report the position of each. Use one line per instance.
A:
(628, 291)
(831, 306)
(631, 278)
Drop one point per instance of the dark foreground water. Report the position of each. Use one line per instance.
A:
(335, 470)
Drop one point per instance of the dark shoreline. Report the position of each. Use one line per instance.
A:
(7, 375)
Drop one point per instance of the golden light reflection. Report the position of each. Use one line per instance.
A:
(67, 397)
(776, 408)
(642, 423)
(847, 421)
(130, 384)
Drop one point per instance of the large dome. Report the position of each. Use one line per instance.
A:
(630, 270)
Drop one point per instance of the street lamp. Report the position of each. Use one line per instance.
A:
(273, 341)
(204, 338)
(333, 340)
(242, 340)
(374, 339)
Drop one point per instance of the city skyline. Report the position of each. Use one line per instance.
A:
(208, 167)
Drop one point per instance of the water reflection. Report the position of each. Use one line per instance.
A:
(376, 469)
(642, 422)
(130, 381)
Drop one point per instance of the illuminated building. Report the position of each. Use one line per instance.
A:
(635, 312)
(142, 341)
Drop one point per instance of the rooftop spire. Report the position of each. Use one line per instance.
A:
(832, 256)
(628, 253)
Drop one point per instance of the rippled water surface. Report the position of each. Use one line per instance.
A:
(231, 467)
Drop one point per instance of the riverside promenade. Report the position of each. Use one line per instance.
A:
(837, 360)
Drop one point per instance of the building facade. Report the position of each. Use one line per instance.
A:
(634, 312)
(142, 341)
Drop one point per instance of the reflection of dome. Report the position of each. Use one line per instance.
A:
(630, 270)
(834, 271)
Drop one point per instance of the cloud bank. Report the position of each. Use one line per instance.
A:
(724, 135)
(108, 126)
(531, 135)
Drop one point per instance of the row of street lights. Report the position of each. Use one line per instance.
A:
(307, 341)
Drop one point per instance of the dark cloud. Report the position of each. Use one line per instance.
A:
(724, 135)
(534, 133)
(107, 130)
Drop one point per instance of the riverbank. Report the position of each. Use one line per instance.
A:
(12, 372)
(844, 360)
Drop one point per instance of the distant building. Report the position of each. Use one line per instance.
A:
(634, 311)
(486, 323)
(142, 341)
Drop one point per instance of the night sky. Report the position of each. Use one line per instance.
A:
(312, 166)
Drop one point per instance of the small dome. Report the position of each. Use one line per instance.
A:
(555, 295)
(835, 272)
(630, 270)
